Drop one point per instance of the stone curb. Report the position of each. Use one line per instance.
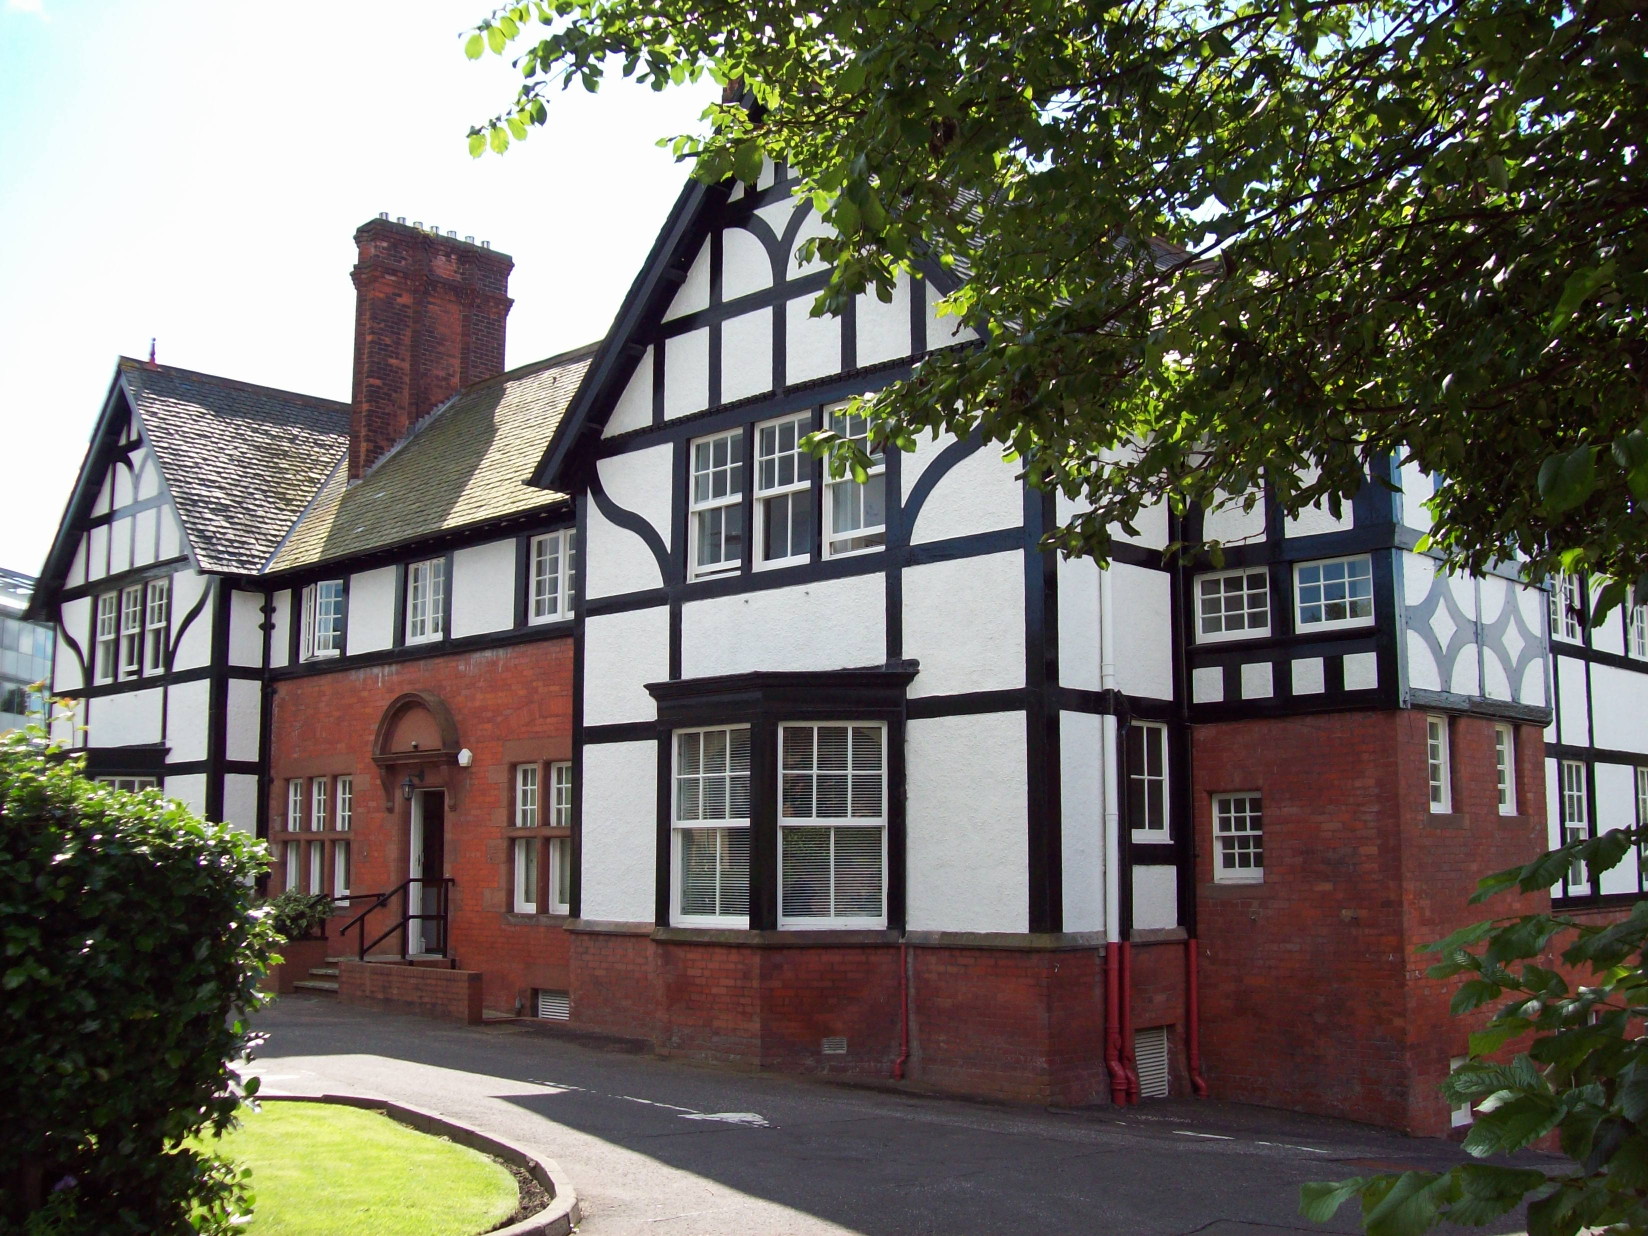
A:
(557, 1219)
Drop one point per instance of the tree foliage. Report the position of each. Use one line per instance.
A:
(128, 951)
(1216, 243)
(1583, 1073)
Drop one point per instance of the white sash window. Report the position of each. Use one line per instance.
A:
(551, 588)
(711, 824)
(108, 635)
(294, 804)
(857, 508)
(320, 796)
(425, 600)
(716, 519)
(783, 492)
(833, 825)
(156, 622)
(131, 630)
(323, 619)
(1238, 838)
(1147, 781)
(346, 803)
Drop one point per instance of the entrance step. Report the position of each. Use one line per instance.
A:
(325, 986)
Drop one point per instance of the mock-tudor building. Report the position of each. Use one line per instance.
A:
(600, 700)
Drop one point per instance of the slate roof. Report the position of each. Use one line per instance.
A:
(463, 464)
(241, 461)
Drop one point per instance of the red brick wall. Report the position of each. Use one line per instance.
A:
(511, 705)
(1009, 1023)
(1313, 995)
(428, 991)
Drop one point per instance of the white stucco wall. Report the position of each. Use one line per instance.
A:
(1155, 898)
(883, 327)
(634, 407)
(622, 653)
(240, 802)
(245, 628)
(823, 625)
(981, 493)
(620, 824)
(967, 848)
(745, 267)
(746, 355)
(694, 294)
(1616, 807)
(126, 719)
(687, 373)
(244, 719)
(618, 561)
(194, 645)
(1082, 831)
(1618, 709)
(190, 790)
(280, 639)
(1144, 637)
(186, 711)
(1231, 525)
(812, 347)
(964, 621)
(371, 611)
(1079, 624)
(483, 588)
(1570, 677)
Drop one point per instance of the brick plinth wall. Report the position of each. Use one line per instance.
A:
(1021, 1024)
(510, 705)
(1314, 996)
(428, 991)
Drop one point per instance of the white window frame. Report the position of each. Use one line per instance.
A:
(730, 504)
(1226, 870)
(320, 797)
(550, 576)
(346, 804)
(725, 825)
(293, 874)
(1505, 768)
(157, 619)
(131, 631)
(317, 867)
(107, 637)
(322, 620)
(1332, 624)
(1574, 807)
(1636, 631)
(1567, 612)
(798, 487)
(130, 784)
(340, 869)
(527, 783)
(560, 848)
(1438, 764)
(526, 875)
(1247, 575)
(847, 489)
(425, 600)
(296, 804)
(855, 777)
(1149, 734)
(1642, 817)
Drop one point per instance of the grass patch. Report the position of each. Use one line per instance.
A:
(323, 1170)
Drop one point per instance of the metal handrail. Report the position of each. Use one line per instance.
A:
(403, 923)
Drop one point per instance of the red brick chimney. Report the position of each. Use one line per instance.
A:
(429, 320)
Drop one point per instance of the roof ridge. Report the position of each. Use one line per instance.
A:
(143, 366)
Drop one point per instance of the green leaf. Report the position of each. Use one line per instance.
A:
(1319, 1201)
(498, 138)
(495, 39)
(475, 45)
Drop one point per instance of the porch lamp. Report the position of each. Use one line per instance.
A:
(408, 786)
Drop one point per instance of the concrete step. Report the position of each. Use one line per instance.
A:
(323, 972)
(321, 985)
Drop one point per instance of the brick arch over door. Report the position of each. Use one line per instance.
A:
(417, 737)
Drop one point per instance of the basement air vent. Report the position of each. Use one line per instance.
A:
(1150, 1057)
(835, 1045)
(555, 1005)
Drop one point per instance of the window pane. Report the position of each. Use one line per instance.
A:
(806, 873)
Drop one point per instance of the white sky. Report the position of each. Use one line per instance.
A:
(194, 170)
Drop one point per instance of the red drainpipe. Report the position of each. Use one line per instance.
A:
(903, 1011)
(1112, 1024)
(1193, 1019)
(1129, 1065)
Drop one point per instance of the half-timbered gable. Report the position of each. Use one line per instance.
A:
(189, 484)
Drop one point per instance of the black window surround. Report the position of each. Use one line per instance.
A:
(762, 700)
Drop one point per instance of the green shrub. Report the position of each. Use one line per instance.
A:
(295, 914)
(128, 953)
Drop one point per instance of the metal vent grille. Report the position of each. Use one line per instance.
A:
(1150, 1058)
(835, 1045)
(555, 1005)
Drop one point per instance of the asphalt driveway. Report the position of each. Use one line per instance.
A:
(669, 1148)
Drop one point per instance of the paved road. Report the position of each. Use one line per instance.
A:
(667, 1148)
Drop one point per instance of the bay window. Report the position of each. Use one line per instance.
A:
(832, 828)
(711, 823)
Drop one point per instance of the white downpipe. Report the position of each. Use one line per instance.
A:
(1107, 763)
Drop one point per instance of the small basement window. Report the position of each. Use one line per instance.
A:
(552, 1005)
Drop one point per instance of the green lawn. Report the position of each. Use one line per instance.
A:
(323, 1170)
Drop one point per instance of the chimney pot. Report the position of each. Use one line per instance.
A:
(486, 244)
(400, 218)
(383, 214)
(469, 240)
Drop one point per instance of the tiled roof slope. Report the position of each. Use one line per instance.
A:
(241, 461)
(465, 463)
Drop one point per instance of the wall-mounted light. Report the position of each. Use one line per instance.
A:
(466, 757)
(408, 786)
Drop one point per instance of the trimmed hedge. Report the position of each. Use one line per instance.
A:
(128, 954)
